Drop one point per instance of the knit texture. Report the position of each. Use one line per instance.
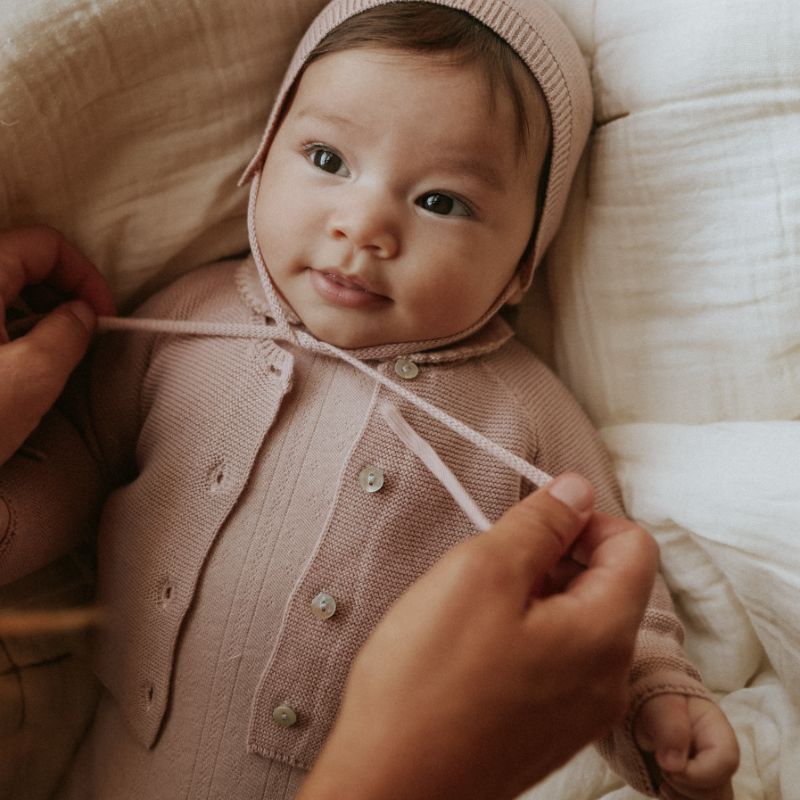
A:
(237, 608)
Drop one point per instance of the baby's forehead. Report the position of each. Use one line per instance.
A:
(492, 99)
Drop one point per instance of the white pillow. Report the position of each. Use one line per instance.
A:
(675, 282)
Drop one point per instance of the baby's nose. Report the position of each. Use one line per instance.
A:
(367, 224)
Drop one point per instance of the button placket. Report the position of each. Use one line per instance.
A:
(148, 693)
(167, 593)
(218, 478)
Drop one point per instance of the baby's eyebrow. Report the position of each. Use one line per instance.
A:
(326, 116)
(479, 168)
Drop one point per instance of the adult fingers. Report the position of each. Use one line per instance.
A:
(532, 536)
(35, 254)
(601, 527)
(47, 354)
(621, 561)
(60, 340)
(604, 605)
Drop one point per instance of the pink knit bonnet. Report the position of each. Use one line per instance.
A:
(538, 36)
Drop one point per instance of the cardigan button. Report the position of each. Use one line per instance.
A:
(284, 715)
(371, 479)
(406, 368)
(323, 606)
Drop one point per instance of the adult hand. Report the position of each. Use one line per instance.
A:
(35, 367)
(497, 665)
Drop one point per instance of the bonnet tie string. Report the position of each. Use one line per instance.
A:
(430, 458)
(394, 419)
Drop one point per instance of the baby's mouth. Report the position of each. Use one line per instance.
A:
(344, 290)
(348, 282)
(342, 281)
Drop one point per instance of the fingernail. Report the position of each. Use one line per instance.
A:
(573, 491)
(83, 313)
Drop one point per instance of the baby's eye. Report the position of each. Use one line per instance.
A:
(327, 160)
(438, 203)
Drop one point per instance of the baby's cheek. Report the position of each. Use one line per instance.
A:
(270, 220)
(443, 295)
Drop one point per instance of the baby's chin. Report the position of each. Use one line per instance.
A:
(348, 339)
(361, 338)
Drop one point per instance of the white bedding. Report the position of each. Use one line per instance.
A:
(674, 286)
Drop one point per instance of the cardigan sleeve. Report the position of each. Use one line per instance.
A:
(567, 441)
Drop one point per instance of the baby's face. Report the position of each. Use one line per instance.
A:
(395, 202)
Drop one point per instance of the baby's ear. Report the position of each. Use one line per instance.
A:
(515, 291)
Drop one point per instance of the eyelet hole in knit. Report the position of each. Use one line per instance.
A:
(148, 692)
(167, 593)
(218, 480)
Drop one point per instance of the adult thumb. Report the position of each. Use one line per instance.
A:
(55, 346)
(539, 530)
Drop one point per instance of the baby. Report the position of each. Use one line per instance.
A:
(262, 457)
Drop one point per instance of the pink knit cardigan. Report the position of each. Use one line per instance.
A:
(176, 423)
